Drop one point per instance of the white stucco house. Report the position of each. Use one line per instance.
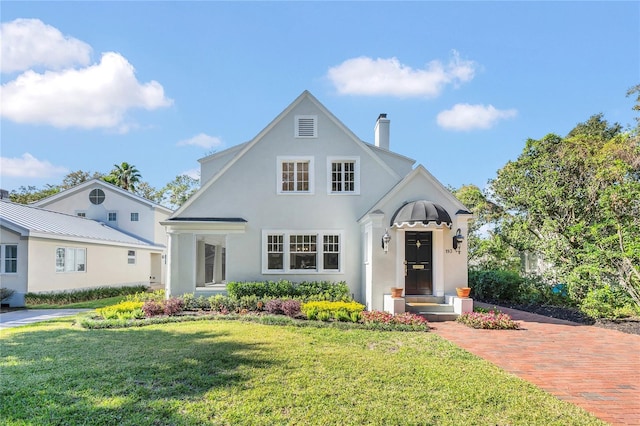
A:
(121, 210)
(47, 251)
(308, 200)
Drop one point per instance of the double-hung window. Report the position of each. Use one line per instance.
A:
(343, 175)
(71, 259)
(295, 175)
(8, 258)
(131, 257)
(302, 252)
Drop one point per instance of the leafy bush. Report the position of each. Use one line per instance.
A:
(6, 293)
(143, 296)
(75, 296)
(608, 302)
(291, 308)
(122, 310)
(283, 289)
(380, 317)
(192, 303)
(318, 310)
(249, 303)
(274, 307)
(223, 304)
(170, 307)
(495, 284)
(494, 320)
(152, 308)
(173, 306)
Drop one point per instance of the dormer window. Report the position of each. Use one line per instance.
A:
(306, 126)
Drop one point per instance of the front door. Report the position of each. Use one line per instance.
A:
(418, 263)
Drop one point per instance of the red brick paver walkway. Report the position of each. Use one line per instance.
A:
(594, 368)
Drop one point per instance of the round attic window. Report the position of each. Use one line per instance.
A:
(96, 196)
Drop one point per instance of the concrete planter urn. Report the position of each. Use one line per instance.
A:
(463, 291)
(396, 291)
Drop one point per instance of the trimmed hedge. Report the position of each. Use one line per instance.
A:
(284, 289)
(75, 296)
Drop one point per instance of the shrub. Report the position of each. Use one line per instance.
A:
(223, 304)
(75, 296)
(274, 306)
(6, 293)
(291, 308)
(315, 309)
(380, 317)
(143, 296)
(608, 302)
(173, 306)
(493, 320)
(495, 284)
(249, 303)
(284, 289)
(152, 308)
(192, 303)
(122, 310)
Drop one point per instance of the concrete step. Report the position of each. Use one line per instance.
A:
(428, 307)
(424, 299)
(438, 316)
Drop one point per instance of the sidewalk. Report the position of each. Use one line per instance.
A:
(594, 368)
(30, 316)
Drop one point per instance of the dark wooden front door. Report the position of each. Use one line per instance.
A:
(418, 263)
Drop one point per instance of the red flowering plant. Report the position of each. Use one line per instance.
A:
(409, 319)
(492, 320)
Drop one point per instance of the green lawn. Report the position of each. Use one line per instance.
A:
(231, 372)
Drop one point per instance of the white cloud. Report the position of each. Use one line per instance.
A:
(367, 76)
(192, 173)
(26, 43)
(202, 140)
(97, 96)
(30, 167)
(466, 117)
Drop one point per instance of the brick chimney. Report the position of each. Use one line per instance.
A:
(382, 131)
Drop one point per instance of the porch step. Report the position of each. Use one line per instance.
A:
(424, 299)
(434, 311)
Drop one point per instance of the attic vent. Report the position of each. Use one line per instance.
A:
(306, 126)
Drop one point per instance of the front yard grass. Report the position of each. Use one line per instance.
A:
(240, 373)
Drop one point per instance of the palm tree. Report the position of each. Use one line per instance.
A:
(125, 176)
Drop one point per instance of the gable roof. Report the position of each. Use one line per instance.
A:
(31, 221)
(248, 145)
(95, 181)
(419, 170)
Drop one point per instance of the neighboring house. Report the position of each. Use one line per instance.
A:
(307, 200)
(46, 251)
(120, 209)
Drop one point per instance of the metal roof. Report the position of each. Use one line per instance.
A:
(35, 221)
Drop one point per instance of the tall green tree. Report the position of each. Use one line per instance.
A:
(77, 177)
(145, 190)
(488, 248)
(124, 175)
(31, 194)
(179, 190)
(575, 200)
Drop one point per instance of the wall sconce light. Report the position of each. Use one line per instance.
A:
(385, 241)
(457, 240)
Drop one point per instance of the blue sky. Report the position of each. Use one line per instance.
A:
(86, 85)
